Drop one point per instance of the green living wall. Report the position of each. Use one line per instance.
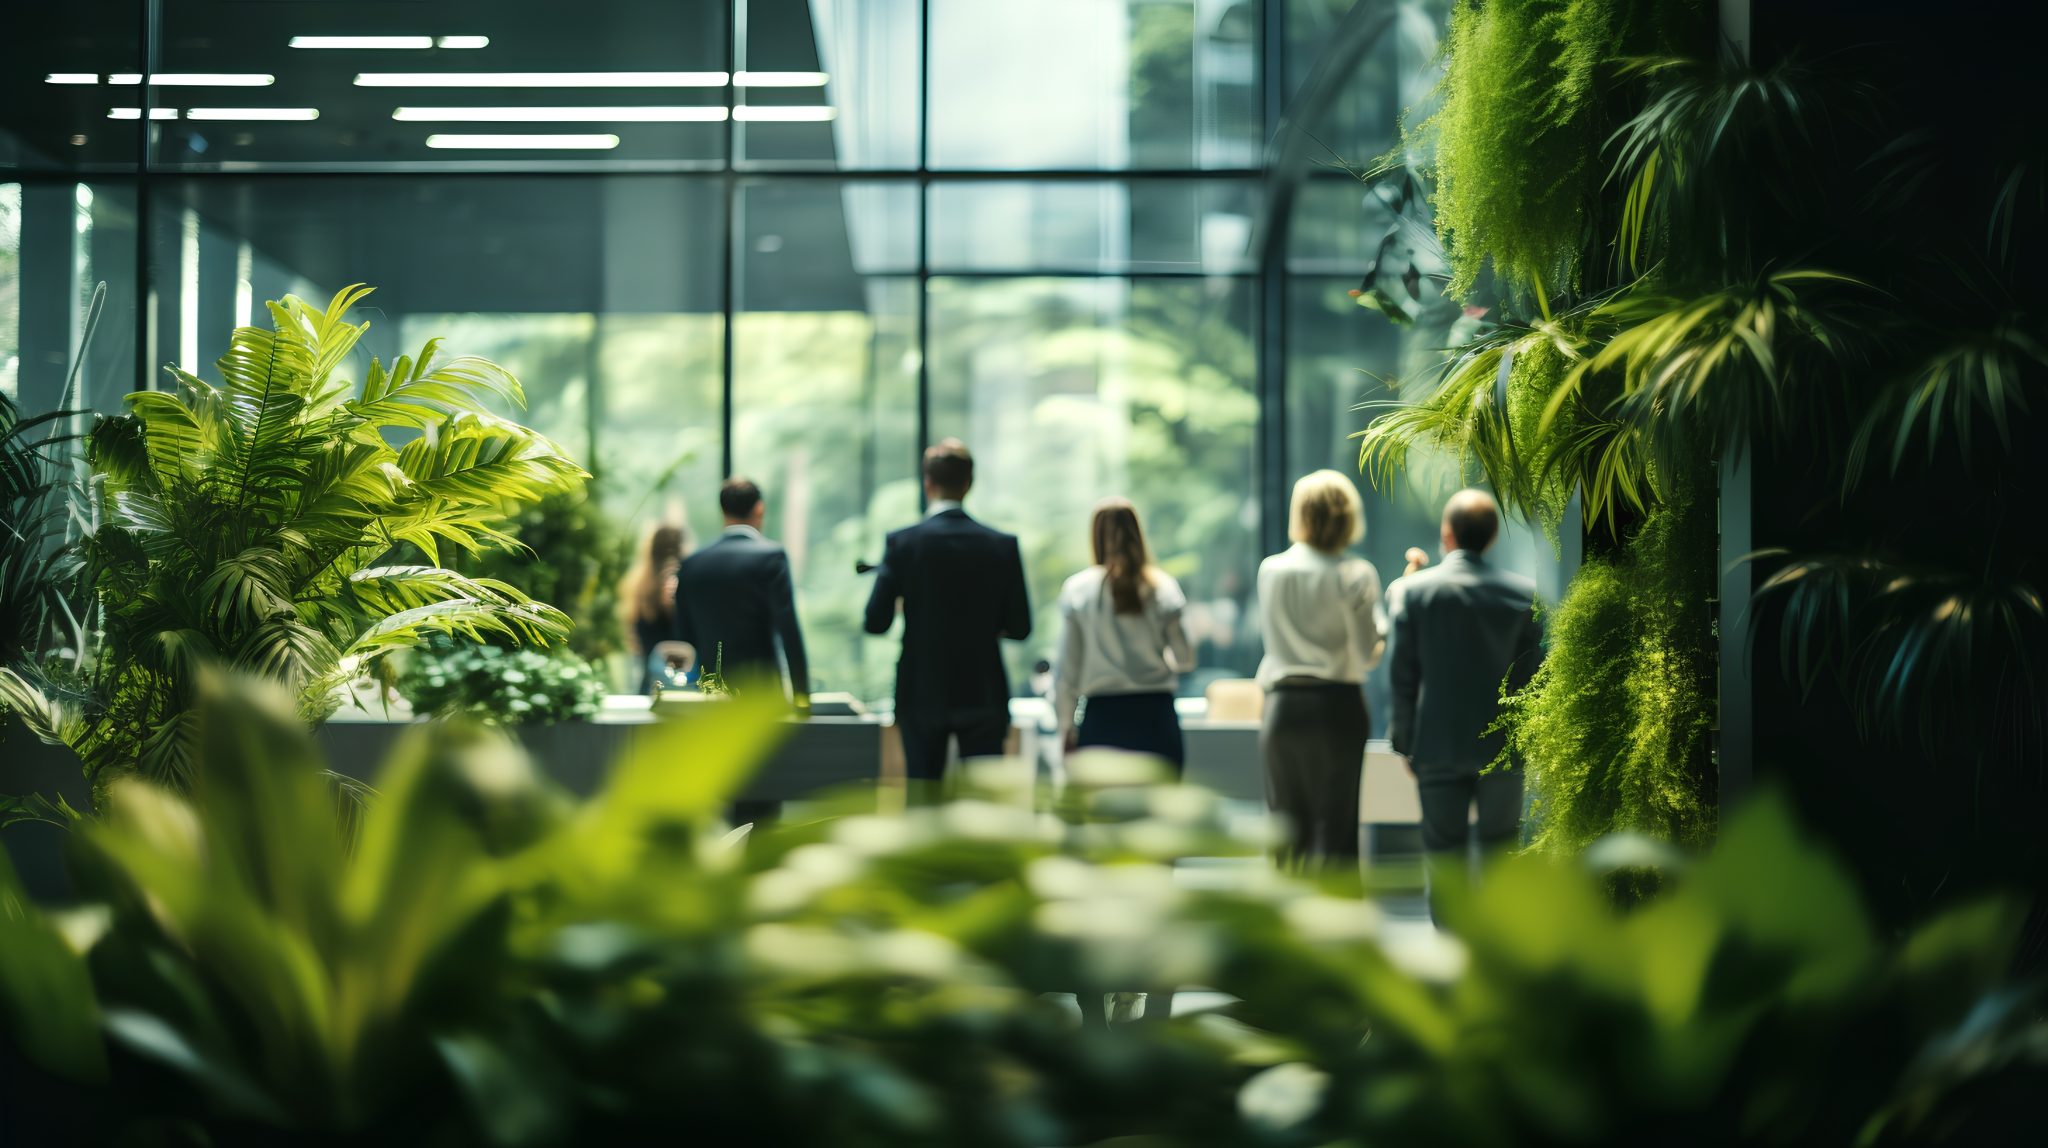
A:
(1807, 263)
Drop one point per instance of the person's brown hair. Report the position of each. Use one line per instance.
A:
(1119, 543)
(643, 592)
(1326, 512)
(738, 497)
(949, 468)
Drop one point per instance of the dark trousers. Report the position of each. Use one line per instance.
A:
(1313, 746)
(1447, 800)
(1135, 723)
(981, 733)
(1447, 808)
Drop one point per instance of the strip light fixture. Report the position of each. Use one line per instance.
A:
(252, 114)
(72, 78)
(197, 79)
(760, 113)
(780, 79)
(390, 42)
(525, 142)
(594, 115)
(542, 79)
(136, 113)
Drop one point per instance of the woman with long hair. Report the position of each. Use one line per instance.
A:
(1324, 627)
(1122, 645)
(647, 598)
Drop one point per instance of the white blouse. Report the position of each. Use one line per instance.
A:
(1321, 616)
(1104, 652)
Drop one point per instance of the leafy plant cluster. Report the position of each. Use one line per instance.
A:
(1615, 729)
(571, 554)
(1743, 296)
(494, 964)
(246, 524)
(1518, 131)
(500, 686)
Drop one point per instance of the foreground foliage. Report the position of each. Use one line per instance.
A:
(490, 963)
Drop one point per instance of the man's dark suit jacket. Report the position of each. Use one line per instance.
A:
(1461, 628)
(737, 593)
(962, 586)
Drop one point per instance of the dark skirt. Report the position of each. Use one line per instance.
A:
(1313, 747)
(1135, 723)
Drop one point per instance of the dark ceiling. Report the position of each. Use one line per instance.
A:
(66, 126)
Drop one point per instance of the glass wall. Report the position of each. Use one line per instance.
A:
(774, 237)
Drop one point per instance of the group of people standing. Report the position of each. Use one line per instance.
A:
(1456, 633)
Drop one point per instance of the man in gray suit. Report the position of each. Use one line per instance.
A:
(1460, 629)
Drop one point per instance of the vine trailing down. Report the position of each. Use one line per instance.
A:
(246, 525)
(1615, 728)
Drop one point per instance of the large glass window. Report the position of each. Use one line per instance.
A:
(825, 345)
(1072, 389)
(828, 83)
(1095, 84)
(787, 238)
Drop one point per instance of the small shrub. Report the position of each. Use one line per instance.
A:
(501, 686)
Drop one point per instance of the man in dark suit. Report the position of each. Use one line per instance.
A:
(735, 599)
(961, 586)
(1459, 631)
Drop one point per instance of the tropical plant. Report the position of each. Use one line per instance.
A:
(245, 524)
(491, 964)
(36, 569)
(500, 686)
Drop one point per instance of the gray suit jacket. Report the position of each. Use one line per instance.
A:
(1460, 629)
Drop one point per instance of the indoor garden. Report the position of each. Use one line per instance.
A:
(462, 467)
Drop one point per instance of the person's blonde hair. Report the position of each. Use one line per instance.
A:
(643, 591)
(1119, 545)
(1326, 512)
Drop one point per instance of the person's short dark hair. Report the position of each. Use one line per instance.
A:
(949, 468)
(1473, 518)
(738, 497)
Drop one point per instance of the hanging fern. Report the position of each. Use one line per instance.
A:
(1518, 132)
(1614, 728)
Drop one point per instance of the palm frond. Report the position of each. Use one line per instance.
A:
(481, 460)
(1745, 362)
(1917, 648)
(1704, 130)
(1989, 372)
(416, 396)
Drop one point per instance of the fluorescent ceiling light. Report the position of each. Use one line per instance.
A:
(198, 79)
(362, 41)
(72, 78)
(585, 143)
(541, 80)
(759, 113)
(252, 114)
(780, 79)
(464, 41)
(136, 113)
(655, 115)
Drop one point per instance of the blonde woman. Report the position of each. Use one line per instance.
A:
(647, 599)
(1320, 614)
(1122, 645)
